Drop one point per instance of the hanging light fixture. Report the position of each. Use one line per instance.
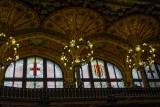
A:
(77, 52)
(142, 55)
(10, 43)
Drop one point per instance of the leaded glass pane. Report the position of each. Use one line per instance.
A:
(8, 83)
(38, 84)
(30, 67)
(118, 73)
(101, 68)
(51, 84)
(87, 85)
(85, 71)
(153, 72)
(134, 74)
(114, 84)
(97, 85)
(139, 74)
(50, 69)
(149, 73)
(104, 84)
(158, 67)
(59, 84)
(95, 71)
(9, 71)
(38, 68)
(19, 69)
(111, 70)
(18, 84)
(120, 84)
(137, 84)
(58, 72)
(30, 84)
(154, 84)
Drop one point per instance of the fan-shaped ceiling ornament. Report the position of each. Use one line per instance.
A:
(17, 16)
(75, 22)
(135, 28)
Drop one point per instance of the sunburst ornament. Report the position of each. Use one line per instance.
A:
(77, 52)
(141, 55)
(10, 43)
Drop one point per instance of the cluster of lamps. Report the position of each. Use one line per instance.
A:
(77, 52)
(10, 42)
(142, 55)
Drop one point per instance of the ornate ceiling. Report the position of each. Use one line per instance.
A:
(43, 27)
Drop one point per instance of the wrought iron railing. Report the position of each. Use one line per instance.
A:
(77, 94)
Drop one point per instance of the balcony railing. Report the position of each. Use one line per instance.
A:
(110, 94)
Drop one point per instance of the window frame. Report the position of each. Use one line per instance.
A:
(24, 78)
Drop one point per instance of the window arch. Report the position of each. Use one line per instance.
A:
(101, 74)
(34, 72)
(152, 74)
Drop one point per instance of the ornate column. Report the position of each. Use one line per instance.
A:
(143, 76)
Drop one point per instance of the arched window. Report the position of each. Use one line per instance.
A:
(34, 72)
(152, 74)
(101, 74)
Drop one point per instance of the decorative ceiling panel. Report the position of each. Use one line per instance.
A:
(17, 16)
(135, 28)
(75, 22)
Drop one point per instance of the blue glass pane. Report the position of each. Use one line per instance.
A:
(8, 83)
(149, 73)
(137, 84)
(134, 74)
(9, 71)
(120, 84)
(118, 73)
(158, 67)
(58, 72)
(154, 71)
(59, 84)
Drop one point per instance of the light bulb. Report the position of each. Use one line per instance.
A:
(138, 48)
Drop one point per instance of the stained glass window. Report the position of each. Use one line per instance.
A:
(59, 84)
(30, 67)
(9, 71)
(8, 83)
(51, 84)
(58, 71)
(38, 68)
(111, 70)
(85, 71)
(18, 84)
(50, 69)
(151, 74)
(19, 69)
(29, 72)
(87, 85)
(100, 74)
